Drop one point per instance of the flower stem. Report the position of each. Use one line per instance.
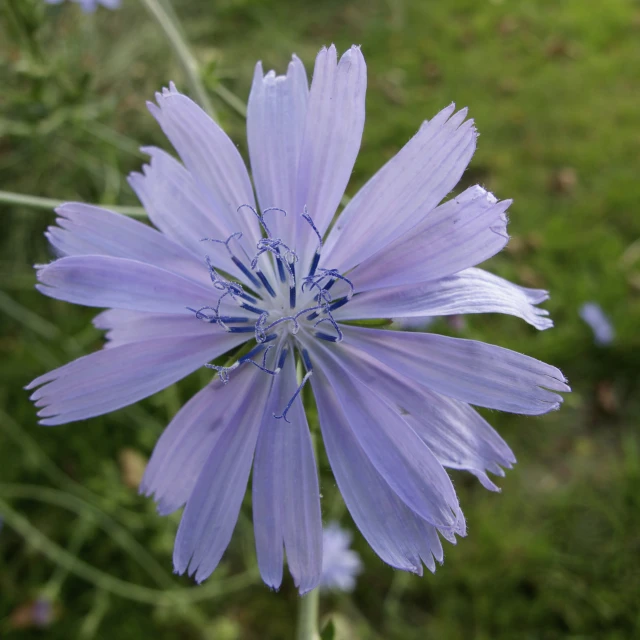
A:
(307, 627)
(169, 25)
(37, 202)
(308, 616)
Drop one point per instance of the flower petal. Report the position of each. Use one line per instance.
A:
(332, 136)
(87, 230)
(397, 453)
(286, 497)
(114, 378)
(404, 191)
(102, 281)
(211, 158)
(183, 210)
(213, 507)
(468, 291)
(456, 434)
(275, 126)
(124, 326)
(458, 234)
(185, 445)
(394, 532)
(471, 371)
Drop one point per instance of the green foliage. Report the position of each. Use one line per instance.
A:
(553, 88)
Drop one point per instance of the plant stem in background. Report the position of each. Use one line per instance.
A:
(307, 628)
(37, 202)
(187, 60)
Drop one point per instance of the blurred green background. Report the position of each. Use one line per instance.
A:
(553, 86)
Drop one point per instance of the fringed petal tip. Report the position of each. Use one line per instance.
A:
(182, 568)
(156, 107)
(163, 508)
(353, 50)
(307, 585)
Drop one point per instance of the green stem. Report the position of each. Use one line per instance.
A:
(307, 627)
(181, 49)
(111, 584)
(37, 202)
(308, 616)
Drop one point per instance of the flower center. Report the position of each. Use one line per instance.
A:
(283, 304)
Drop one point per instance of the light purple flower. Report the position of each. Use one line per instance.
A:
(394, 407)
(42, 612)
(89, 6)
(340, 564)
(595, 317)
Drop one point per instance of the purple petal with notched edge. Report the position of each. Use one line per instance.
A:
(458, 234)
(87, 230)
(286, 502)
(114, 378)
(456, 434)
(404, 191)
(394, 532)
(468, 291)
(213, 507)
(471, 371)
(182, 450)
(211, 158)
(276, 116)
(397, 453)
(103, 281)
(332, 136)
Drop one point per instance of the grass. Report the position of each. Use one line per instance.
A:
(553, 88)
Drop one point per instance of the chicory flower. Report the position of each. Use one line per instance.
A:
(276, 285)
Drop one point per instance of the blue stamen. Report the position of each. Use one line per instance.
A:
(261, 216)
(296, 326)
(204, 316)
(254, 281)
(314, 263)
(250, 307)
(240, 329)
(281, 272)
(334, 324)
(309, 367)
(325, 336)
(292, 297)
(266, 283)
(297, 392)
(260, 333)
(337, 276)
(330, 284)
(247, 297)
(283, 357)
(223, 372)
(263, 366)
(307, 310)
(340, 302)
(292, 285)
(233, 319)
(307, 217)
(256, 214)
(254, 352)
(290, 403)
